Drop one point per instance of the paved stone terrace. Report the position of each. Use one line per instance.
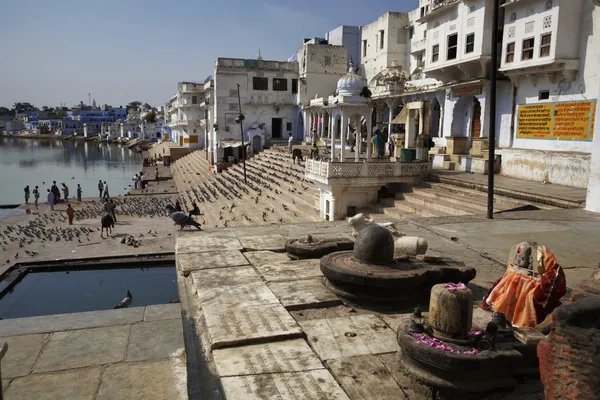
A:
(135, 353)
(269, 326)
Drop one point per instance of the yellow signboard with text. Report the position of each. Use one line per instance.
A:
(535, 121)
(572, 120)
(592, 125)
(569, 120)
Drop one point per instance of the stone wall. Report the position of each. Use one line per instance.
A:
(561, 168)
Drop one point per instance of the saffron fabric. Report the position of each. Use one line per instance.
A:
(527, 296)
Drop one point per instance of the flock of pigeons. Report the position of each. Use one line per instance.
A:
(264, 181)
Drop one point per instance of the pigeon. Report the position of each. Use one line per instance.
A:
(126, 300)
(181, 219)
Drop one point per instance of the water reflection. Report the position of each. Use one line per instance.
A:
(33, 161)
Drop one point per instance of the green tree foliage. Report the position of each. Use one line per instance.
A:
(23, 107)
(150, 117)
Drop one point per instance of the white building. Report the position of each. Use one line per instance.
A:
(186, 116)
(551, 52)
(320, 68)
(267, 92)
(458, 53)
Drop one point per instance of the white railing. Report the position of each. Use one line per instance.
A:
(326, 170)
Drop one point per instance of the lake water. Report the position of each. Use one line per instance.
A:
(46, 293)
(40, 161)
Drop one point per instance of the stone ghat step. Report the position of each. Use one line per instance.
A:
(403, 209)
(527, 197)
(437, 204)
(192, 172)
(511, 202)
(475, 201)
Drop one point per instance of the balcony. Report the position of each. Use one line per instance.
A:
(417, 45)
(437, 7)
(325, 171)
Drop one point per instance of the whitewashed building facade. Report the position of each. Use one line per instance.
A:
(186, 114)
(551, 53)
(267, 94)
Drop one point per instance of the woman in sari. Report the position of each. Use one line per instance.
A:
(531, 287)
(378, 144)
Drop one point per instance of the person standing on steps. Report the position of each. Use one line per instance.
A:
(70, 213)
(36, 195)
(50, 198)
(100, 188)
(290, 141)
(79, 192)
(65, 190)
(27, 194)
(54, 189)
(157, 176)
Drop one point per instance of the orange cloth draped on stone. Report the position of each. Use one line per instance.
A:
(527, 297)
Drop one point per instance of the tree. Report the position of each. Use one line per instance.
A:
(134, 105)
(150, 117)
(23, 107)
(6, 111)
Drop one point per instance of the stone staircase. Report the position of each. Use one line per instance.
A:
(441, 200)
(276, 190)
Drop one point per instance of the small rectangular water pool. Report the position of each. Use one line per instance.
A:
(69, 291)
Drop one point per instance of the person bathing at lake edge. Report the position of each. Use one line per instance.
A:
(27, 194)
(100, 188)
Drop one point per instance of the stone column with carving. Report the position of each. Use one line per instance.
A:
(369, 123)
(321, 123)
(333, 116)
(391, 104)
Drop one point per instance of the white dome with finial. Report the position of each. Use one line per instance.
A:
(351, 84)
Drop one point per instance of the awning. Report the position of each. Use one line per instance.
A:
(401, 118)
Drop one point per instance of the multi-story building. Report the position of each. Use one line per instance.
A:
(458, 53)
(349, 36)
(384, 64)
(185, 113)
(422, 98)
(267, 91)
(550, 52)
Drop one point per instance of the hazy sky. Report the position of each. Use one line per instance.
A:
(123, 50)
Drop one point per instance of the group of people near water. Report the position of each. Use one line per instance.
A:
(53, 195)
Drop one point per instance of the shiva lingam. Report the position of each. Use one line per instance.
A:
(444, 352)
(309, 247)
(371, 273)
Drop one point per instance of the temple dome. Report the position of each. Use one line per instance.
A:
(351, 84)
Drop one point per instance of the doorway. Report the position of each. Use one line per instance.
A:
(276, 128)
(476, 125)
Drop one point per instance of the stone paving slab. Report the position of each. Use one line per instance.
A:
(83, 348)
(285, 356)
(263, 243)
(80, 384)
(59, 322)
(248, 325)
(395, 320)
(206, 243)
(307, 293)
(161, 312)
(335, 338)
(155, 380)
(225, 297)
(365, 378)
(290, 270)
(313, 385)
(413, 389)
(188, 262)
(257, 258)
(154, 340)
(223, 277)
(21, 355)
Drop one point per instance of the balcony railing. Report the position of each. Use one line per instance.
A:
(347, 170)
(418, 45)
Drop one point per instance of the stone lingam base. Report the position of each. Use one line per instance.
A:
(309, 247)
(445, 353)
(456, 370)
(371, 274)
